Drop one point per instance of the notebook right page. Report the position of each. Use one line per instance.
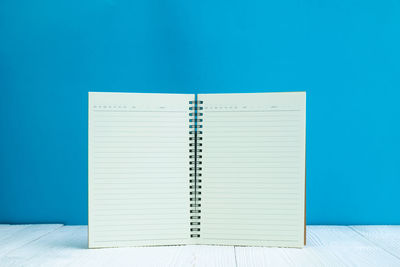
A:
(253, 169)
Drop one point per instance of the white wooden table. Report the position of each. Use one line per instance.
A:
(58, 245)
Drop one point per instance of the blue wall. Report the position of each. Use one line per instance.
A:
(345, 54)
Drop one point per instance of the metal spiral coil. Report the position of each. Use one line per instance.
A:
(195, 168)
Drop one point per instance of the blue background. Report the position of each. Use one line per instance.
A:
(345, 54)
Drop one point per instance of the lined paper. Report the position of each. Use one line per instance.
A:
(253, 169)
(138, 169)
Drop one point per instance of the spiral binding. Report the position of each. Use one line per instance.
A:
(195, 150)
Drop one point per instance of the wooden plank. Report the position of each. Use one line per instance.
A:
(326, 246)
(202, 255)
(7, 230)
(214, 256)
(14, 236)
(52, 245)
(385, 236)
(67, 246)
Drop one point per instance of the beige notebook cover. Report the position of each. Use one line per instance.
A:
(176, 169)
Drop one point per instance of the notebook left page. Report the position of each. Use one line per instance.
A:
(138, 169)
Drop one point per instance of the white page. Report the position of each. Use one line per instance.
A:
(253, 169)
(138, 169)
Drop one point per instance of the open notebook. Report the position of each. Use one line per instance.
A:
(220, 169)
